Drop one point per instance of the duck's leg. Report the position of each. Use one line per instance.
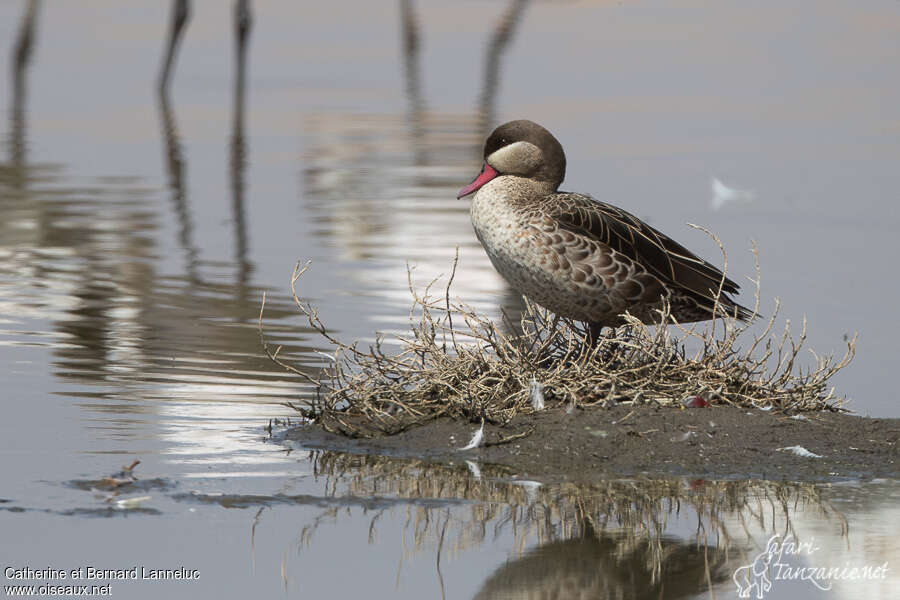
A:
(594, 333)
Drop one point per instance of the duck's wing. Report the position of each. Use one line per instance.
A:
(662, 256)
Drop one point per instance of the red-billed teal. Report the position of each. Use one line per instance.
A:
(578, 257)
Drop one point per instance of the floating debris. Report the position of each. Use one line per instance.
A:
(799, 451)
(474, 469)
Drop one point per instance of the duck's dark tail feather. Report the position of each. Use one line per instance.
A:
(732, 308)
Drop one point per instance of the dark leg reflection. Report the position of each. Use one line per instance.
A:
(243, 21)
(176, 163)
(500, 40)
(502, 36)
(369, 183)
(181, 12)
(411, 44)
(176, 168)
(21, 57)
(87, 270)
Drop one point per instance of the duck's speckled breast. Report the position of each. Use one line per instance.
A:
(512, 237)
(502, 229)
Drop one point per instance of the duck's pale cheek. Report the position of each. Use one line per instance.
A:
(520, 158)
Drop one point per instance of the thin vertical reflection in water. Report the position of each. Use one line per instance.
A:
(385, 199)
(504, 32)
(236, 305)
(243, 21)
(21, 53)
(181, 13)
(176, 168)
(176, 163)
(409, 27)
(80, 276)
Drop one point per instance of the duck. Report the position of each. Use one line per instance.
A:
(579, 257)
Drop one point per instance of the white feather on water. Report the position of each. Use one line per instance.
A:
(722, 194)
(130, 503)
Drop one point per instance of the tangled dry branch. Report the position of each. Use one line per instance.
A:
(458, 363)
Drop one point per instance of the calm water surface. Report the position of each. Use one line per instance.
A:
(138, 233)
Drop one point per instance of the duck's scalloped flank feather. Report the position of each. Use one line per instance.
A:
(662, 256)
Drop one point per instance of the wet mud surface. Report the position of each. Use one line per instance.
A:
(716, 441)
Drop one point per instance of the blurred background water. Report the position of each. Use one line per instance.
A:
(139, 230)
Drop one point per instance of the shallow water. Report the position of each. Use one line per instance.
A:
(139, 233)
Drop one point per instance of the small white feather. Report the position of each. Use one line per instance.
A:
(129, 503)
(477, 438)
(722, 194)
(536, 394)
(799, 451)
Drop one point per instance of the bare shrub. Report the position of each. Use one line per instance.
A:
(461, 364)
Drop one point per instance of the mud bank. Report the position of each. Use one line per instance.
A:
(711, 442)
